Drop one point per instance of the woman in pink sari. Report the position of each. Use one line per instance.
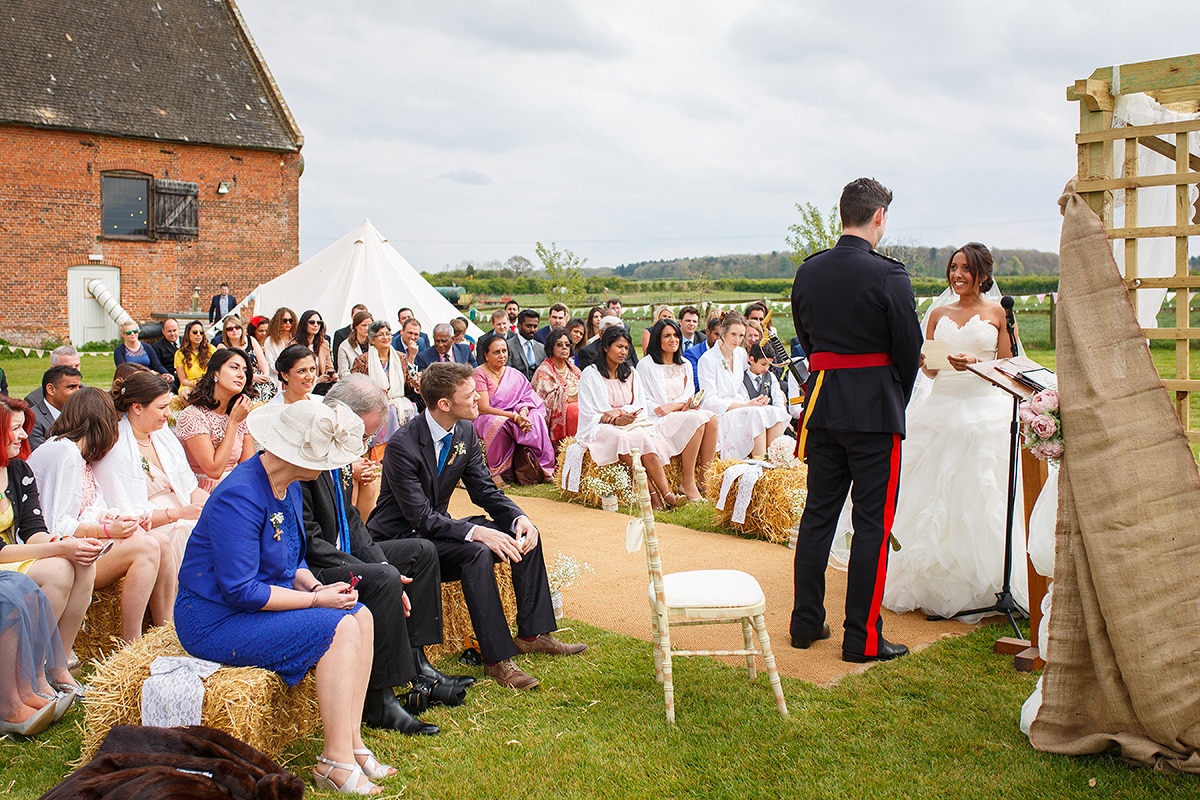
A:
(510, 412)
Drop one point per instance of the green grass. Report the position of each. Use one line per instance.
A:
(940, 723)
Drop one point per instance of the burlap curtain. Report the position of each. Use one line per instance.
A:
(1123, 661)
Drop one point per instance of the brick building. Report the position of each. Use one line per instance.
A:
(142, 143)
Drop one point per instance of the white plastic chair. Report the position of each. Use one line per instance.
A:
(700, 597)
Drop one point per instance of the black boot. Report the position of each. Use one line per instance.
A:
(424, 668)
(383, 710)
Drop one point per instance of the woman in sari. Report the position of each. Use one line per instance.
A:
(388, 370)
(510, 413)
(556, 381)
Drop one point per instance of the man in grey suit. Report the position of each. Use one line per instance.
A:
(58, 383)
(525, 352)
(59, 356)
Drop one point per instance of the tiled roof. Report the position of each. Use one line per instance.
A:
(176, 70)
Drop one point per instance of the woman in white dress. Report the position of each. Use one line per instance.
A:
(951, 515)
(613, 416)
(747, 427)
(667, 378)
(355, 344)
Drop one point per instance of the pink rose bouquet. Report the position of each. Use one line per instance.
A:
(1041, 426)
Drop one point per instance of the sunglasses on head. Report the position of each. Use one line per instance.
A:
(131, 331)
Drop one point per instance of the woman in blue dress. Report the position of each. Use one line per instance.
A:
(247, 597)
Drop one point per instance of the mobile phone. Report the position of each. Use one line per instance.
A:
(108, 546)
(354, 580)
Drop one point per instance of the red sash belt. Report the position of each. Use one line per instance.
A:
(819, 362)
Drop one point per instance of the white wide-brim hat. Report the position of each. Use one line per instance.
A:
(308, 434)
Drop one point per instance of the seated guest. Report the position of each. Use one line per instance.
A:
(297, 371)
(73, 505)
(411, 340)
(279, 335)
(310, 332)
(340, 335)
(389, 371)
(510, 413)
(591, 325)
(146, 474)
(512, 308)
(65, 568)
(191, 359)
(29, 649)
(660, 312)
(590, 352)
(667, 378)
(65, 356)
(235, 335)
(557, 383)
(213, 426)
(557, 319)
(760, 380)
(575, 329)
(444, 349)
(413, 501)
(500, 322)
(524, 351)
(459, 325)
(340, 546)
(356, 342)
(58, 383)
(754, 334)
(248, 599)
(748, 426)
(167, 345)
(133, 351)
(689, 324)
(612, 421)
(693, 354)
(402, 318)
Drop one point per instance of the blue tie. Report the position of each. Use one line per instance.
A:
(442, 456)
(342, 523)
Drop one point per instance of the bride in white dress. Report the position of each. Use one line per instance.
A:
(951, 515)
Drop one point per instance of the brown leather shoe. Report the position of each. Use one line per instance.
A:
(508, 674)
(545, 643)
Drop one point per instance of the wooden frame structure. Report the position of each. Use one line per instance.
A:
(1175, 84)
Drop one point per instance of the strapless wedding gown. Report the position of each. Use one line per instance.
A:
(950, 517)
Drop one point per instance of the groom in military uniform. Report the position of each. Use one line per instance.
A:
(856, 318)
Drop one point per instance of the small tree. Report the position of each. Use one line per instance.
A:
(564, 274)
(520, 265)
(813, 232)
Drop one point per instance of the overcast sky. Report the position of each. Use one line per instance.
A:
(630, 130)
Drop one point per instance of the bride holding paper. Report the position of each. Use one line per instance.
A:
(950, 519)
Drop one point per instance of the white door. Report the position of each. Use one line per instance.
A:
(87, 319)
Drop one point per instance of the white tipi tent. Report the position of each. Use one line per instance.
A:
(361, 267)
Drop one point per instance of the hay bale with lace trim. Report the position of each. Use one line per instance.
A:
(251, 704)
(457, 630)
(596, 481)
(775, 506)
(100, 635)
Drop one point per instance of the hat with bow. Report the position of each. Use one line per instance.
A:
(308, 434)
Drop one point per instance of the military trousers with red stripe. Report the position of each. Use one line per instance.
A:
(837, 461)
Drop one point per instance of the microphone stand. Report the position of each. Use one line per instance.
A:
(1005, 603)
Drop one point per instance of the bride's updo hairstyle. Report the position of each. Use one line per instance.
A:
(142, 388)
(979, 264)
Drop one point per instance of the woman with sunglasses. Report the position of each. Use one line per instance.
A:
(132, 351)
(310, 332)
(279, 335)
(191, 359)
(234, 334)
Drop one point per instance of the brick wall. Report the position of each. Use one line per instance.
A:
(50, 219)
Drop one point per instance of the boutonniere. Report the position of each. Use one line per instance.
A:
(145, 465)
(277, 524)
(460, 449)
(347, 473)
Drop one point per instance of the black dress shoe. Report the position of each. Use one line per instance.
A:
(433, 673)
(804, 644)
(383, 710)
(887, 652)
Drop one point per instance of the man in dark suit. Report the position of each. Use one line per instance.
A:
(221, 304)
(856, 318)
(58, 383)
(166, 347)
(689, 323)
(339, 546)
(423, 462)
(340, 334)
(444, 349)
(64, 356)
(557, 318)
(525, 352)
(398, 344)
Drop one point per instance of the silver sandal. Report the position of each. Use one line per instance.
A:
(350, 786)
(373, 769)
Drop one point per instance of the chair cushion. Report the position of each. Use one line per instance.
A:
(710, 588)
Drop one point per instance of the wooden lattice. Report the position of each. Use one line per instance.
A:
(1104, 179)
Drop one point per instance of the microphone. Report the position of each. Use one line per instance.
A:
(1009, 321)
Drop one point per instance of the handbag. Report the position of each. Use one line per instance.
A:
(527, 470)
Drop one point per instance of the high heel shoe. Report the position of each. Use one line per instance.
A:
(350, 786)
(674, 501)
(371, 766)
(35, 724)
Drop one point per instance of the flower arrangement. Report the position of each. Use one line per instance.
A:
(612, 479)
(782, 452)
(1041, 426)
(566, 570)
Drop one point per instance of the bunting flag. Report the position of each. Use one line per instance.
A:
(28, 351)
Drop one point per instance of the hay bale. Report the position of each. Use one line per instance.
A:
(775, 505)
(596, 481)
(100, 635)
(251, 704)
(456, 620)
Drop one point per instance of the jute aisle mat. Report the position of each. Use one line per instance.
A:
(613, 597)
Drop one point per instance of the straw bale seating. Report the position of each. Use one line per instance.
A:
(251, 704)
(596, 481)
(776, 502)
(100, 635)
(457, 631)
